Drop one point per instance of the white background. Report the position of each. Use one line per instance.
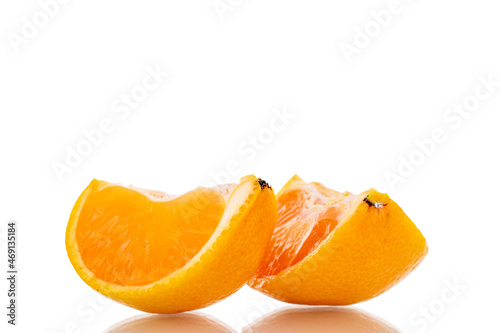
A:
(352, 123)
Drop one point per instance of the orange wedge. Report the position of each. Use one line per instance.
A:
(332, 248)
(168, 254)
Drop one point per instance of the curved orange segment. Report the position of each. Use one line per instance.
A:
(330, 248)
(168, 254)
(123, 238)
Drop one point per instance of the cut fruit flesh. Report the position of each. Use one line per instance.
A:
(307, 214)
(337, 249)
(166, 254)
(123, 238)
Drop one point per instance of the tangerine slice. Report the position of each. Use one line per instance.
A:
(165, 254)
(332, 248)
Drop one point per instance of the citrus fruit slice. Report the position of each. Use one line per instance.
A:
(332, 248)
(320, 320)
(168, 254)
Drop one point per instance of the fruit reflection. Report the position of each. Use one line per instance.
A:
(178, 323)
(320, 320)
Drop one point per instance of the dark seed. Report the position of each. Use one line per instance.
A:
(263, 183)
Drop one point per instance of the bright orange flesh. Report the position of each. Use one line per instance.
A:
(306, 216)
(167, 254)
(337, 249)
(123, 238)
